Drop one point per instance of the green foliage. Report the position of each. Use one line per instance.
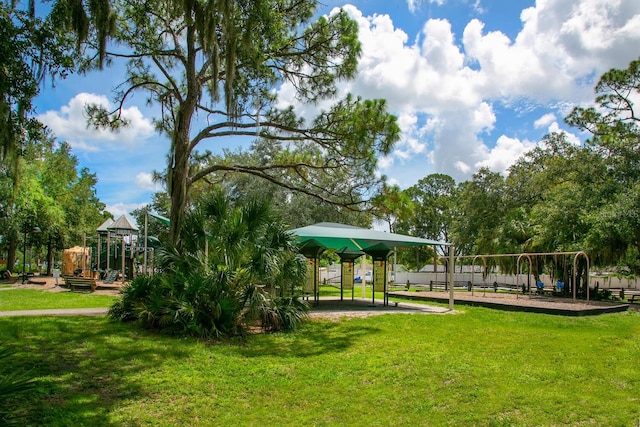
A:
(481, 211)
(296, 208)
(32, 49)
(52, 194)
(12, 384)
(224, 59)
(236, 266)
(432, 200)
(614, 224)
(392, 206)
(598, 294)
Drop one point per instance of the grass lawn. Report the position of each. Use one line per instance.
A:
(34, 299)
(480, 367)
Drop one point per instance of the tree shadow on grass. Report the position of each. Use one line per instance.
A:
(85, 367)
(313, 339)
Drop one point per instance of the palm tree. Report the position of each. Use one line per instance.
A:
(236, 266)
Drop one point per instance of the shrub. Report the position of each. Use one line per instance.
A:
(250, 273)
(11, 385)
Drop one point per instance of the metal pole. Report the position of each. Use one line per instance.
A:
(385, 295)
(451, 267)
(24, 256)
(122, 259)
(316, 293)
(84, 248)
(98, 256)
(108, 249)
(373, 282)
(363, 275)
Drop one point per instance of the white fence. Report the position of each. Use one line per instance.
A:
(332, 275)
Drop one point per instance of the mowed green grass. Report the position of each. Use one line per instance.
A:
(35, 299)
(479, 367)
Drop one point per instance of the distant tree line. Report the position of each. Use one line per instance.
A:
(558, 197)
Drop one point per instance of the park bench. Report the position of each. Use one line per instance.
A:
(8, 277)
(80, 283)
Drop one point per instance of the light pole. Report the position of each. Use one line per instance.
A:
(35, 230)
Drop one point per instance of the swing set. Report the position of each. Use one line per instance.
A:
(564, 270)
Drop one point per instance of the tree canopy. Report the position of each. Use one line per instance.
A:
(39, 181)
(215, 69)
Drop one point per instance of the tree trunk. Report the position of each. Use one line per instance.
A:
(178, 190)
(181, 150)
(11, 253)
(179, 171)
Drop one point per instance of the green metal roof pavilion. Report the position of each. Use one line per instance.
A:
(331, 235)
(313, 239)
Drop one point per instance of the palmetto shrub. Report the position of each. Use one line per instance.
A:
(11, 385)
(236, 266)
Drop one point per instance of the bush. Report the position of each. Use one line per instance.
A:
(598, 294)
(251, 273)
(12, 385)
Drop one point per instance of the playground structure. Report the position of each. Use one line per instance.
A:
(114, 252)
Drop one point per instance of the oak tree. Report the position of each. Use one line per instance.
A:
(215, 68)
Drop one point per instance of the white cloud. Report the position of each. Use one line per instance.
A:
(413, 5)
(462, 167)
(119, 209)
(477, 7)
(570, 137)
(393, 181)
(439, 49)
(409, 144)
(505, 153)
(385, 162)
(70, 124)
(545, 120)
(145, 181)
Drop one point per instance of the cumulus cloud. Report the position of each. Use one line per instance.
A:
(70, 124)
(505, 153)
(570, 137)
(385, 162)
(443, 86)
(145, 181)
(119, 209)
(413, 5)
(545, 120)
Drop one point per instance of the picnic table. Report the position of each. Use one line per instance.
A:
(75, 283)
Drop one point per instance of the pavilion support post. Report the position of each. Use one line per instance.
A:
(122, 258)
(108, 249)
(451, 267)
(98, 255)
(316, 290)
(363, 276)
(84, 248)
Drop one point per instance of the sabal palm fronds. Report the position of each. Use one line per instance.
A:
(235, 263)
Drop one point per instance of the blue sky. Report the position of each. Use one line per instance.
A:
(473, 83)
